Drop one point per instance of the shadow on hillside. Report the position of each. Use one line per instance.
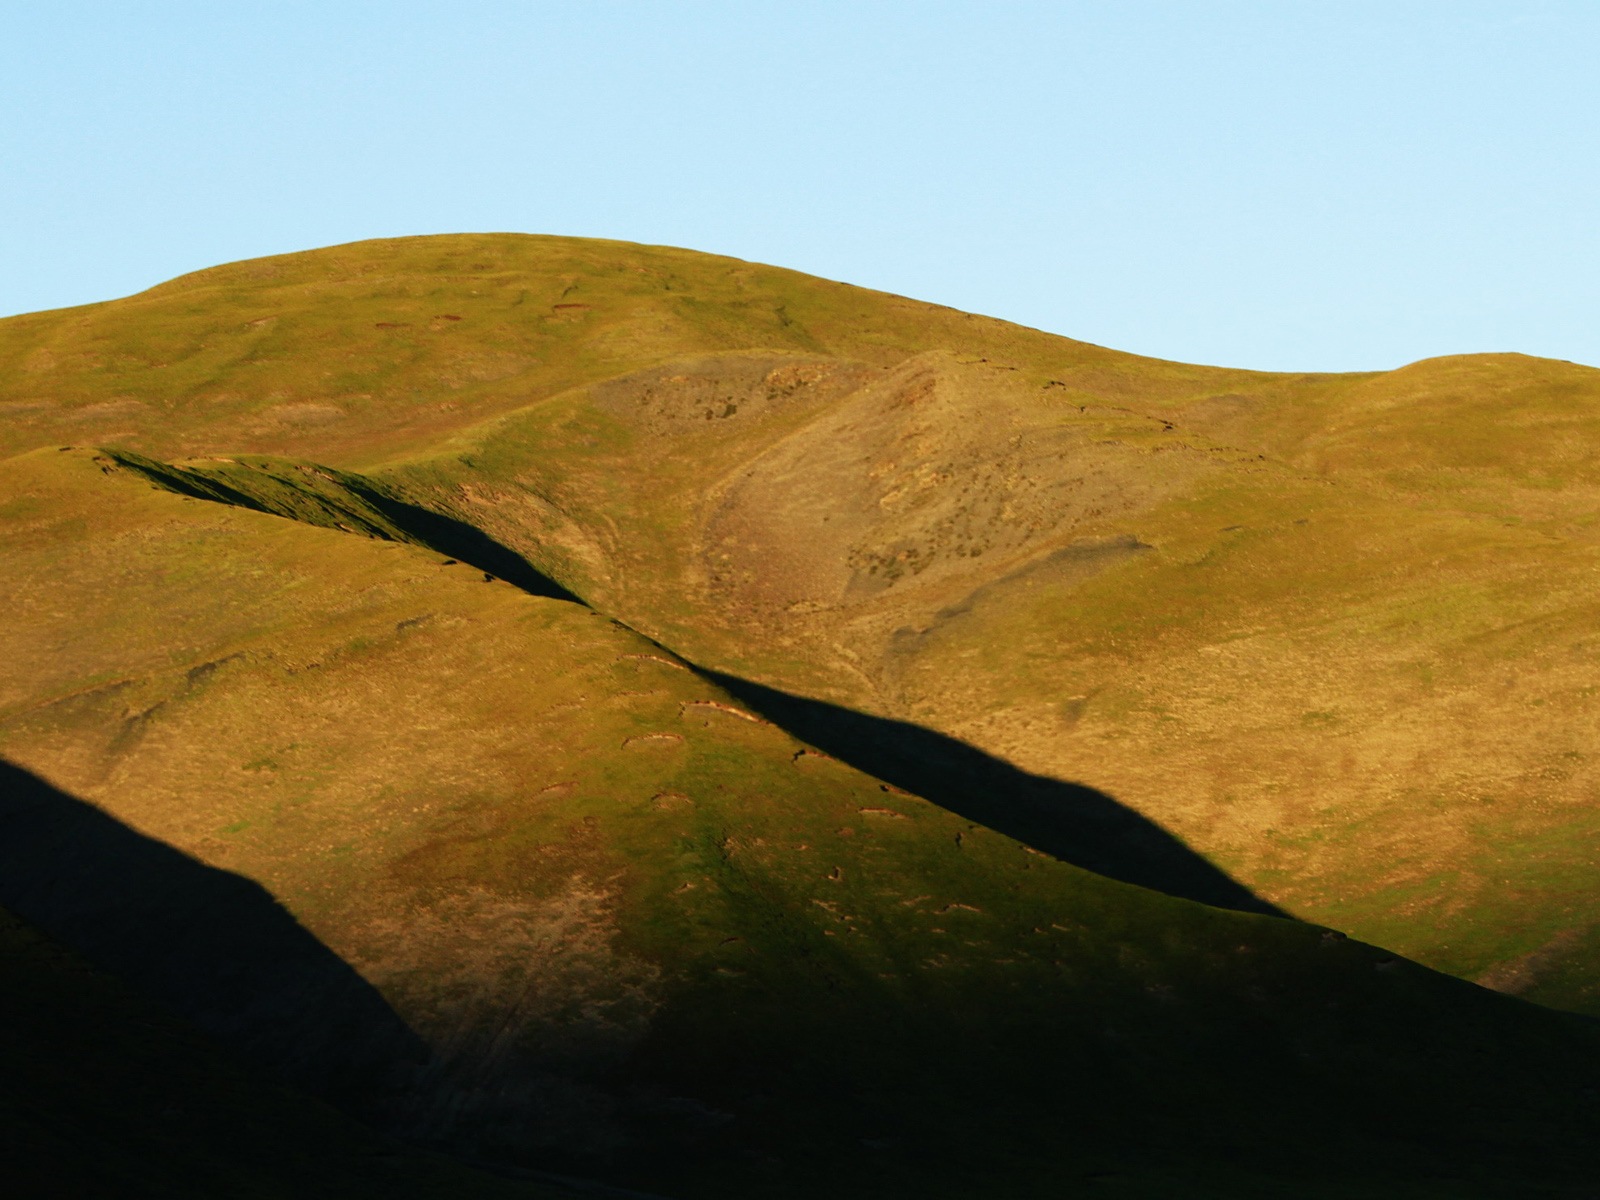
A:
(437, 531)
(210, 945)
(468, 543)
(1074, 823)
(1069, 821)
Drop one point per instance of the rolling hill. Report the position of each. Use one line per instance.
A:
(645, 715)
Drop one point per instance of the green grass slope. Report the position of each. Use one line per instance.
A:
(1331, 631)
(552, 898)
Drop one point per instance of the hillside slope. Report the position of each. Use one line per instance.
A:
(1332, 632)
(601, 918)
(630, 711)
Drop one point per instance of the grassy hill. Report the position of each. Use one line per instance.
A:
(658, 730)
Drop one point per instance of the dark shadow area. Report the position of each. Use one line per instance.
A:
(1069, 821)
(307, 500)
(209, 945)
(471, 545)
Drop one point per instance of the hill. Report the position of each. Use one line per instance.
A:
(790, 480)
(584, 715)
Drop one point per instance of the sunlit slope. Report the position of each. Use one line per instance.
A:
(103, 1094)
(353, 352)
(1332, 631)
(1364, 687)
(1501, 435)
(619, 922)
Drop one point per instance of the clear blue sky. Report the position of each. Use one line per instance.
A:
(1304, 185)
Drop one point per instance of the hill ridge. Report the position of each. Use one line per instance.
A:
(1073, 823)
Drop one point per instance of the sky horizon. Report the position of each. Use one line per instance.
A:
(1250, 184)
